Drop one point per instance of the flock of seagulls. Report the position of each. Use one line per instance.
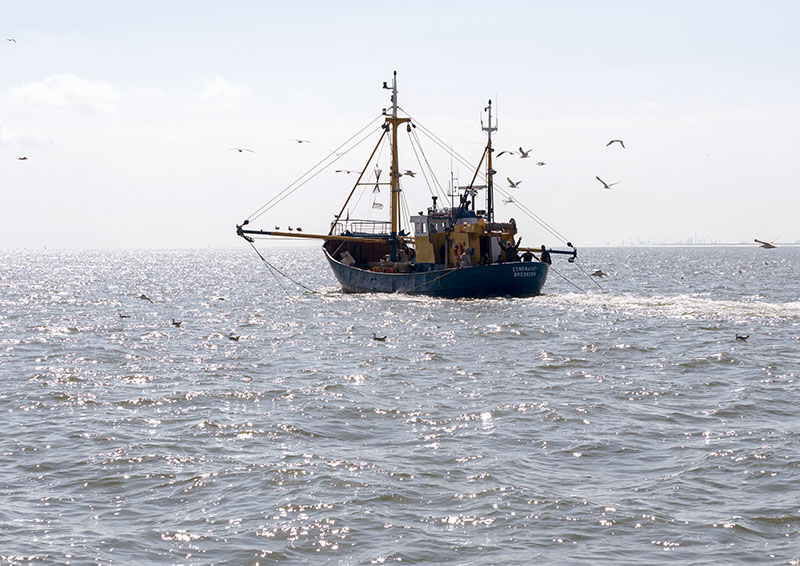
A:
(524, 153)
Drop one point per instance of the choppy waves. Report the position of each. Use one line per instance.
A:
(581, 428)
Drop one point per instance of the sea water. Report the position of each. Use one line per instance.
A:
(614, 420)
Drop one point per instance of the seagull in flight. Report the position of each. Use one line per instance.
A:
(23, 158)
(767, 245)
(606, 185)
(620, 142)
(241, 149)
(513, 184)
(541, 163)
(11, 39)
(348, 171)
(410, 173)
(523, 154)
(508, 200)
(509, 152)
(299, 140)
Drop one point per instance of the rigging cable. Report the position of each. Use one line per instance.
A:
(271, 267)
(589, 276)
(300, 181)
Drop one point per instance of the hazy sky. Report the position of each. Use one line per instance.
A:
(127, 112)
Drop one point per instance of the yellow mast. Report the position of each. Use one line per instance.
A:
(394, 122)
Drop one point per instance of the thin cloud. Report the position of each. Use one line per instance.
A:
(224, 92)
(65, 91)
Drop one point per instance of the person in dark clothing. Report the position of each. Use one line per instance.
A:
(545, 258)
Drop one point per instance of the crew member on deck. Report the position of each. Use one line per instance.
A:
(546, 256)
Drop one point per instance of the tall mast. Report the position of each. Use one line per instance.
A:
(489, 170)
(394, 122)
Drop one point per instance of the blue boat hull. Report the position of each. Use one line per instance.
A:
(517, 279)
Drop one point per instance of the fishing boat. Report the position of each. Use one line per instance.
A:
(451, 250)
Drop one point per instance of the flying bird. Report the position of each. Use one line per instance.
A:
(348, 171)
(541, 163)
(508, 200)
(241, 149)
(23, 158)
(409, 173)
(11, 39)
(767, 245)
(509, 152)
(523, 153)
(606, 185)
(513, 184)
(300, 141)
(620, 142)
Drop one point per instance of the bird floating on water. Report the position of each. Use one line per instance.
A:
(620, 142)
(742, 337)
(241, 149)
(599, 273)
(513, 184)
(378, 338)
(123, 315)
(233, 337)
(606, 185)
(176, 323)
(145, 297)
